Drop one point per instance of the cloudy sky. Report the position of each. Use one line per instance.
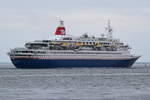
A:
(27, 20)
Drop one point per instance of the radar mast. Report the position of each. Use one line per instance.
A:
(61, 23)
(109, 30)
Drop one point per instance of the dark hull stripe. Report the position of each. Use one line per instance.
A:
(51, 63)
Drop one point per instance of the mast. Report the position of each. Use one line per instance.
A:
(109, 30)
(61, 23)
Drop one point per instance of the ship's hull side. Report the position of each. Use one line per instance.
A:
(52, 63)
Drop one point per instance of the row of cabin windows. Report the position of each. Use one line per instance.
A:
(82, 53)
(36, 45)
(88, 43)
(42, 52)
(93, 43)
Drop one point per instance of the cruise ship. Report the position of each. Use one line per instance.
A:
(69, 51)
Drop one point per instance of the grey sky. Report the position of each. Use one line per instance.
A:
(26, 20)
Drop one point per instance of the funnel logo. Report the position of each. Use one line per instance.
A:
(63, 32)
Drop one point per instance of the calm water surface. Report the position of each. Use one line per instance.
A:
(75, 83)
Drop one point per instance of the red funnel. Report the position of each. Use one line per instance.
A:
(60, 31)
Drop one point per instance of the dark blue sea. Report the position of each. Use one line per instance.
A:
(75, 83)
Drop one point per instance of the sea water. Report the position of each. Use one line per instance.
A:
(75, 83)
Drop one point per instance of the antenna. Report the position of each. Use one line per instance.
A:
(109, 30)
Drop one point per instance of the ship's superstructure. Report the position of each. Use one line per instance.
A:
(69, 51)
